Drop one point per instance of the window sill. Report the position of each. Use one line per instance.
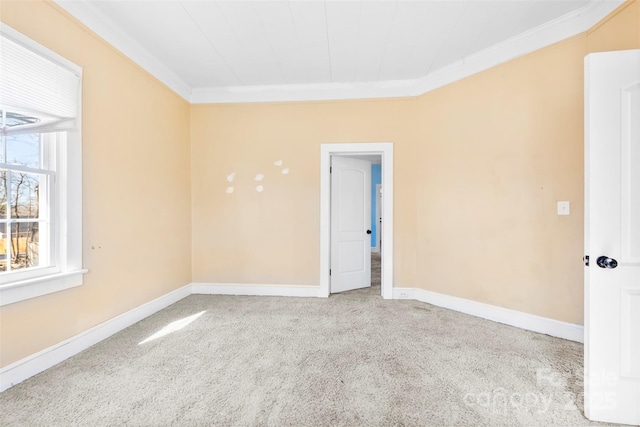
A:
(38, 286)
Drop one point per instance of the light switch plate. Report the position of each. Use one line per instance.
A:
(564, 208)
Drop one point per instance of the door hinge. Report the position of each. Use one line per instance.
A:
(329, 272)
(330, 169)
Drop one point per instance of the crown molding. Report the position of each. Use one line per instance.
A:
(551, 32)
(554, 31)
(100, 24)
(303, 92)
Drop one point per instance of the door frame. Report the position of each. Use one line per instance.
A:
(385, 150)
(378, 216)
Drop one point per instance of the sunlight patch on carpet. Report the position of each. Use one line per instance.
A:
(173, 327)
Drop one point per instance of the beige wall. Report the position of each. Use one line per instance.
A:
(136, 188)
(479, 166)
(619, 31)
(273, 236)
(499, 149)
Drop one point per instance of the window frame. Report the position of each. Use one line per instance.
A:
(47, 145)
(66, 195)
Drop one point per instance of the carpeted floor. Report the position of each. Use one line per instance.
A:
(376, 260)
(353, 359)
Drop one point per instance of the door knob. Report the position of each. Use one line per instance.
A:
(606, 262)
(368, 231)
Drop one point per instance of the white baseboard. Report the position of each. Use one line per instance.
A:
(530, 322)
(19, 371)
(254, 289)
(25, 368)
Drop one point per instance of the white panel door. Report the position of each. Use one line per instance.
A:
(612, 237)
(350, 224)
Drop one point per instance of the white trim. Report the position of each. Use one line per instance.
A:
(65, 215)
(378, 205)
(530, 322)
(25, 368)
(554, 31)
(254, 289)
(98, 22)
(571, 24)
(40, 285)
(304, 92)
(385, 149)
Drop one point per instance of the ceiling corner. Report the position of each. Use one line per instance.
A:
(571, 24)
(97, 22)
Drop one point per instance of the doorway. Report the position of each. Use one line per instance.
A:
(353, 261)
(384, 152)
(377, 219)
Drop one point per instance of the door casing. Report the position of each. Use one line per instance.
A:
(385, 150)
(378, 217)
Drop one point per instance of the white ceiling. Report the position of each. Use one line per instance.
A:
(226, 51)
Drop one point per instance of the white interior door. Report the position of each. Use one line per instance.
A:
(350, 224)
(612, 237)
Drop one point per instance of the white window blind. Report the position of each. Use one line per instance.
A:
(36, 85)
(40, 169)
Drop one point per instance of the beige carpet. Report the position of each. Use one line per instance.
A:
(375, 271)
(353, 359)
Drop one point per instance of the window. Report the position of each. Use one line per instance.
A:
(25, 214)
(40, 170)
